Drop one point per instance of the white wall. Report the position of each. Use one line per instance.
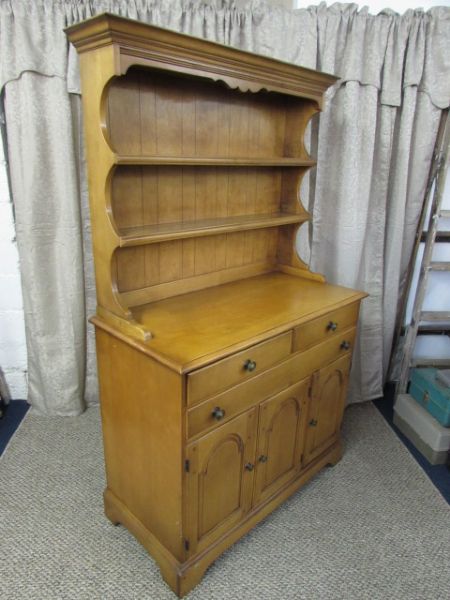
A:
(13, 353)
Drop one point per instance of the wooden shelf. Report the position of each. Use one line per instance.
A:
(151, 234)
(207, 161)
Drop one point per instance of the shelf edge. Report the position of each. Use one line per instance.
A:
(124, 159)
(140, 240)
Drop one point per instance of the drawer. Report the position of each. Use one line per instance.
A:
(237, 368)
(224, 406)
(326, 327)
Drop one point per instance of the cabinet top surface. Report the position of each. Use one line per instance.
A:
(194, 329)
(168, 49)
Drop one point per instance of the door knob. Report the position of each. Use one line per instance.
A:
(313, 422)
(249, 467)
(249, 365)
(263, 458)
(218, 413)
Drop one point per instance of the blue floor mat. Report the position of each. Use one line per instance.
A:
(12, 417)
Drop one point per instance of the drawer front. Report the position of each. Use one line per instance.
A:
(224, 406)
(237, 368)
(326, 327)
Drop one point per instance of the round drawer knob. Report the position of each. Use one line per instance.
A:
(218, 413)
(332, 326)
(263, 458)
(249, 467)
(249, 365)
(313, 422)
(345, 345)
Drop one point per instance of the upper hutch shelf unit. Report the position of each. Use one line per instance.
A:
(223, 360)
(199, 157)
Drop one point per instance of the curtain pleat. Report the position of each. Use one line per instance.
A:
(45, 184)
(374, 143)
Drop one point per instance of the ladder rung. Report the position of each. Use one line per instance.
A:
(433, 329)
(439, 265)
(428, 329)
(441, 236)
(445, 214)
(430, 362)
(435, 315)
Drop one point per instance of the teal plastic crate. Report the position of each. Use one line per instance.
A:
(432, 394)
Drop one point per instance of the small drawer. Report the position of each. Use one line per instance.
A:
(326, 327)
(215, 411)
(237, 368)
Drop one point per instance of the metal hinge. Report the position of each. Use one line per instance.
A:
(186, 545)
(187, 465)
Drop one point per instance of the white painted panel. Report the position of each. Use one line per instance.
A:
(13, 353)
(432, 346)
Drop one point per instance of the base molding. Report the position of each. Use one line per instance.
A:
(183, 577)
(118, 513)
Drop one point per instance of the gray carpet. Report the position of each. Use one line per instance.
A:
(373, 527)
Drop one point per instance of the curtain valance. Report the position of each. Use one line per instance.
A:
(389, 51)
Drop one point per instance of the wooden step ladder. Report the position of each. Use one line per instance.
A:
(425, 321)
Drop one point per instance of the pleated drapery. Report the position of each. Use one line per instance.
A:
(374, 146)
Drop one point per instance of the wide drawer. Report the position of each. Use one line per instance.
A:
(330, 325)
(237, 368)
(224, 406)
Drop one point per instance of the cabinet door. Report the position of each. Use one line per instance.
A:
(329, 390)
(281, 438)
(220, 480)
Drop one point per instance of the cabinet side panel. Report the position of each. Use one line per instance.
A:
(141, 405)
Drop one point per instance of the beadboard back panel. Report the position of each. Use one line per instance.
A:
(161, 114)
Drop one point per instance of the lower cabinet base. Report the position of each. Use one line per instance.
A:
(183, 577)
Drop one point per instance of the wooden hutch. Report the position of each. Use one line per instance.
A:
(223, 360)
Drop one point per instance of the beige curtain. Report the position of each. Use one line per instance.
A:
(374, 147)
